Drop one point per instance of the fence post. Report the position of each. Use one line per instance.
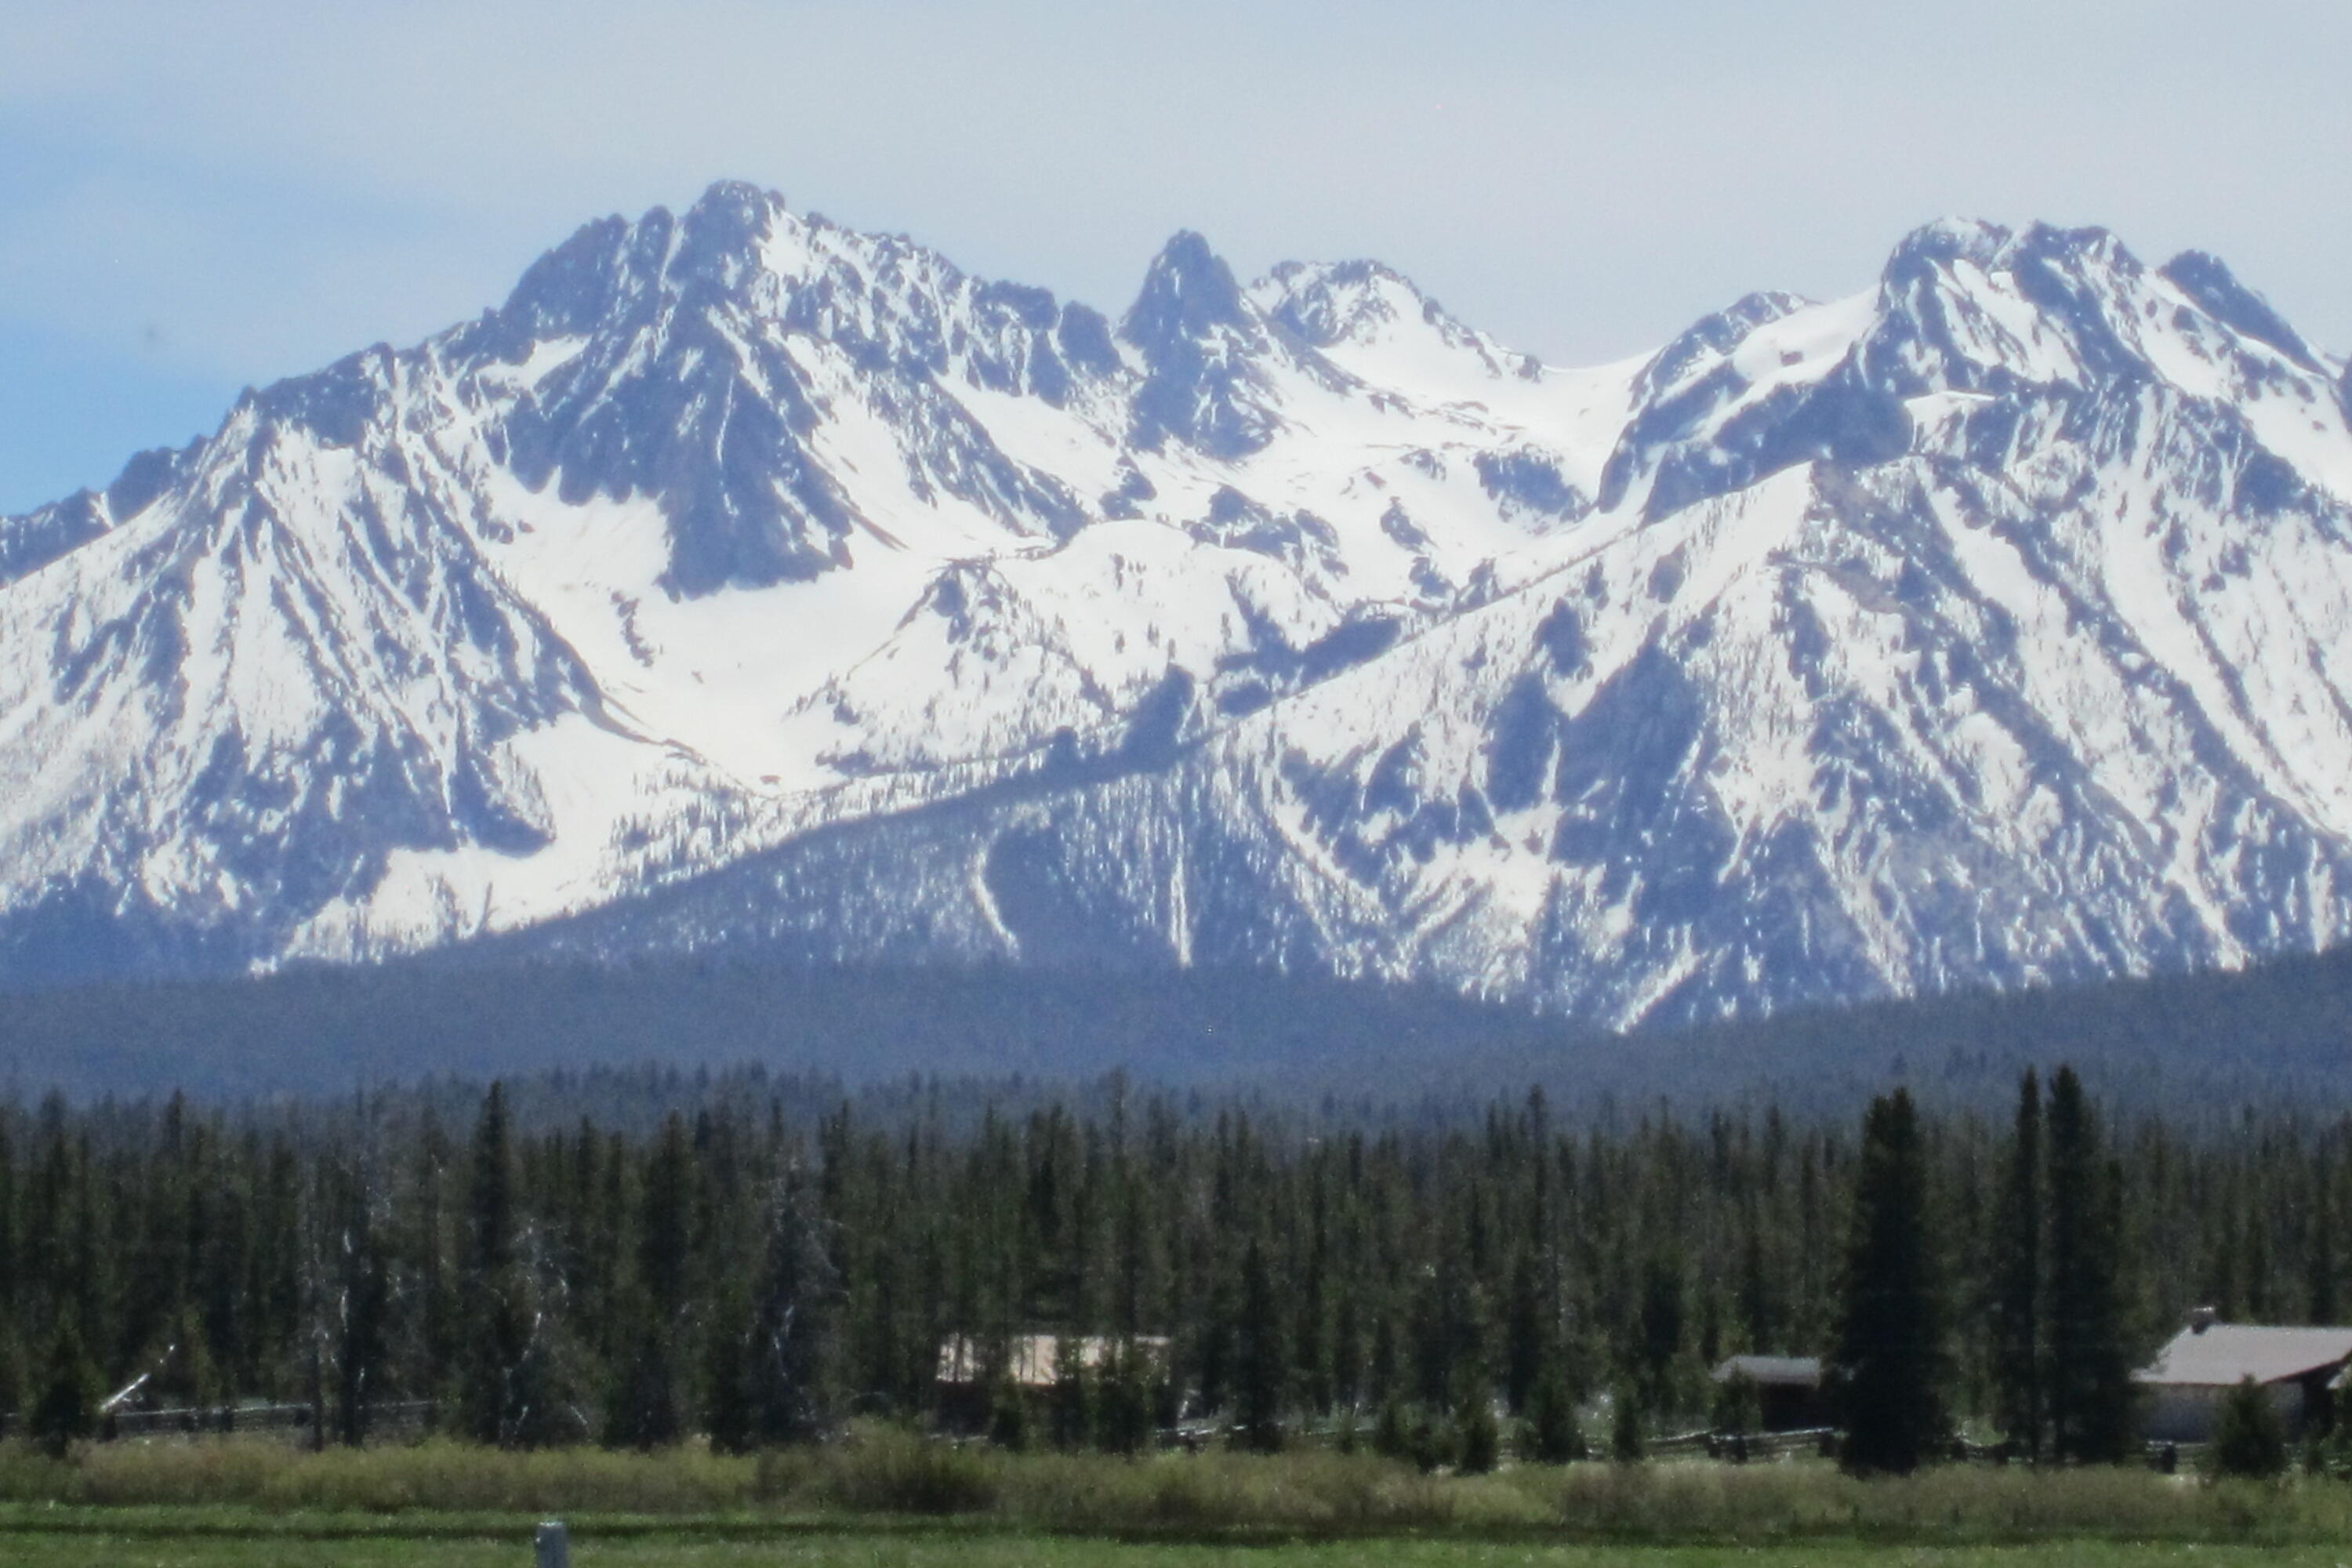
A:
(553, 1546)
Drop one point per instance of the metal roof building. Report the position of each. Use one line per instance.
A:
(2204, 1360)
(1780, 1370)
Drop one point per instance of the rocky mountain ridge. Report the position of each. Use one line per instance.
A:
(744, 579)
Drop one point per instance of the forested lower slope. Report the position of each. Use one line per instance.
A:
(2276, 1033)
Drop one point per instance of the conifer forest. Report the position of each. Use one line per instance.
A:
(635, 1260)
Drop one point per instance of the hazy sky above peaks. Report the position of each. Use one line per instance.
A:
(197, 197)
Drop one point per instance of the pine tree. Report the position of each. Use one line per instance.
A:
(2015, 1282)
(1552, 1436)
(1625, 1444)
(1073, 1423)
(12, 1368)
(1123, 1414)
(1662, 1323)
(2088, 1373)
(726, 1372)
(1890, 1353)
(13, 1261)
(789, 1323)
(646, 1409)
(362, 1308)
(67, 1411)
(1259, 1354)
(1527, 1331)
(1737, 1406)
(427, 1263)
(1754, 1294)
(499, 1399)
(2319, 1265)
(1478, 1439)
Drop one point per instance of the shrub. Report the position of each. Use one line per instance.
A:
(1008, 1422)
(1431, 1443)
(12, 1369)
(1552, 1436)
(1479, 1442)
(67, 1410)
(2248, 1439)
(1391, 1434)
(1625, 1444)
(1736, 1404)
(1123, 1404)
(889, 1470)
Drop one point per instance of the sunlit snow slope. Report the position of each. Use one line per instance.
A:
(745, 579)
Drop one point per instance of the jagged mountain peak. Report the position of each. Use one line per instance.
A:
(613, 268)
(1370, 314)
(1210, 356)
(2207, 279)
(1974, 307)
(1188, 293)
(1328, 302)
(742, 573)
(1996, 248)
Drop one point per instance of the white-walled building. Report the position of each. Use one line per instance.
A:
(2200, 1366)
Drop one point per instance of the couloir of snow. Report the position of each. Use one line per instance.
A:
(1983, 627)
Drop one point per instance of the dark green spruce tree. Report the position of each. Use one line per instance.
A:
(1890, 1350)
(500, 1398)
(362, 1306)
(791, 1319)
(67, 1410)
(2088, 1373)
(1261, 1364)
(647, 1408)
(2015, 1284)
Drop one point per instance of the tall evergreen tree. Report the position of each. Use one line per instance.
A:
(362, 1302)
(13, 1261)
(499, 1398)
(728, 1372)
(1529, 1329)
(2088, 1373)
(12, 1368)
(2319, 1246)
(2015, 1282)
(646, 1408)
(67, 1410)
(790, 1321)
(1890, 1353)
(1662, 1322)
(1260, 1362)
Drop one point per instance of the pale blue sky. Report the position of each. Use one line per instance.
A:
(197, 196)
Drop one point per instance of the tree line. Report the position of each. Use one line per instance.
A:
(714, 1264)
(2272, 1031)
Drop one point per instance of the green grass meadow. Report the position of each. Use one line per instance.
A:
(889, 1498)
(163, 1542)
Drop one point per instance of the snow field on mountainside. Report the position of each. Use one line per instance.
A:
(1982, 628)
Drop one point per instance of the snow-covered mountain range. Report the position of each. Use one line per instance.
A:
(745, 578)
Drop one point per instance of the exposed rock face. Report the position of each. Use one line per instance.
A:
(746, 578)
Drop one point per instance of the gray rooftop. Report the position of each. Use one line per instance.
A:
(2224, 1354)
(1798, 1371)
